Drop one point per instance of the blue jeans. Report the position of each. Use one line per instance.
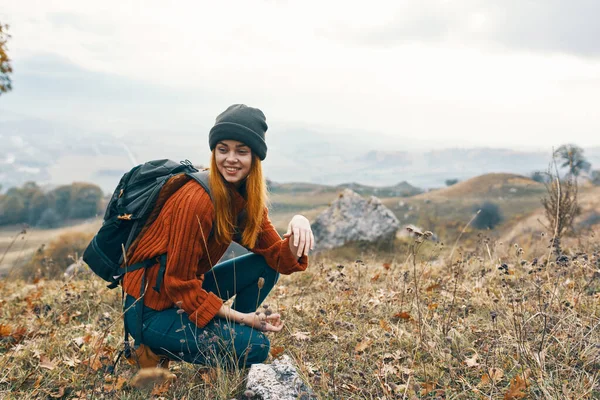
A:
(220, 342)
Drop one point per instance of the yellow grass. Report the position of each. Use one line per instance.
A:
(26, 244)
(421, 326)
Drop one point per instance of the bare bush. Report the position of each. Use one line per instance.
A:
(52, 260)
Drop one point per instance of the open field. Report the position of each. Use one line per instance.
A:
(16, 246)
(451, 328)
(484, 319)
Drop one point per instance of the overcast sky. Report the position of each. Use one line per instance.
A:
(509, 73)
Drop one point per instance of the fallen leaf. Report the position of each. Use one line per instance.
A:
(433, 287)
(375, 278)
(388, 369)
(46, 363)
(5, 330)
(493, 375)
(64, 318)
(277, 351)
(472, 362)
(387, 266)
(302, 336)
(515, 391)
(384, 325)
(148, 377)
(209, 375)
(59, 394)
(432, 306)
(427, 388)
(402, 315)
(362, 345)
(71, 362)
(161, 389)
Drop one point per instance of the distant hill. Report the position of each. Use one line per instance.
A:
(494, 185)
(402, 189)
(55, 153)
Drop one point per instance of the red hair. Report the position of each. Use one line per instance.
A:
(256, 203)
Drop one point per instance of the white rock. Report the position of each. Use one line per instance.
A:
(352, 218)
(277, 381)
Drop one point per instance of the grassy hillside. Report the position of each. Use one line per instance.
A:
(424, 320)
(447, 211)
(17, 245)
(458, 328)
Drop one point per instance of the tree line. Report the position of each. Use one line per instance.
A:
(29, 204)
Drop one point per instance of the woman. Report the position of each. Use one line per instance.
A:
(182, 316)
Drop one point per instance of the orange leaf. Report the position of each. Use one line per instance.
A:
(402, 315)
(161, 389)
(493, 375)
(433, 287)
(277, 351)
(375, 278)
(384, 325)
(64, 318)
(5, 330)
(387, 266)
(432, 306)
(515, 391)
(428, 387)
(362, 346)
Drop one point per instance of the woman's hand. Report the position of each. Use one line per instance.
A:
(302, 239)
(262, 322)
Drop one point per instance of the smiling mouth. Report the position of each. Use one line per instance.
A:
(232, 169)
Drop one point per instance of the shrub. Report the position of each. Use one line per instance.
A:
(450, 182)
(52, 260)
(489, 216)
(49, 219)
(540, 176)
(595, 177)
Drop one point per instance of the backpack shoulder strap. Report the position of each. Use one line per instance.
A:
(202, 178)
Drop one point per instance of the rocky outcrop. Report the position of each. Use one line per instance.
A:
(352, 218)
(276, 381)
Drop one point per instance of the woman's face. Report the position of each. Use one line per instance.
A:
(233, 160)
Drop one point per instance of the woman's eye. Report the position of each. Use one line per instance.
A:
(222, 149)
(243, 152)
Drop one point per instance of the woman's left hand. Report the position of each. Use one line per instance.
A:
(302, 239)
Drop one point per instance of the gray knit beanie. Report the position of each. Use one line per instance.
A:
(244, 124)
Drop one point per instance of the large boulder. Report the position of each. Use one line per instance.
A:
(352, 218)
(276, 381)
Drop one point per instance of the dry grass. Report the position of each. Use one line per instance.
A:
(496, 322)
(487, 185)
(18, 248)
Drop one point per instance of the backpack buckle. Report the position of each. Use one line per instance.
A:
(126, 217)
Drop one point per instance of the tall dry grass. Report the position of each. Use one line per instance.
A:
(498, 321)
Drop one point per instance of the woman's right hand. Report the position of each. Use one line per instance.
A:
(262, 322)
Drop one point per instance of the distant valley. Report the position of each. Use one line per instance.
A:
(51, 153)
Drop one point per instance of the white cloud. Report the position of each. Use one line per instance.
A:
(432, 70)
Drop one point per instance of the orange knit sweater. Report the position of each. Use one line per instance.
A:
(186, 217)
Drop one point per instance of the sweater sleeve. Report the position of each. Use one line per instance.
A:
(276, 250)
(190, 226)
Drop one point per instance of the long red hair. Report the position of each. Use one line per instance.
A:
(256, 202)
